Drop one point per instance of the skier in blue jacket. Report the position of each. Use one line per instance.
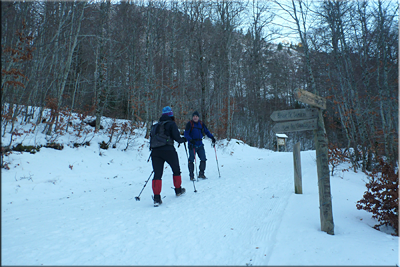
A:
(194, 132)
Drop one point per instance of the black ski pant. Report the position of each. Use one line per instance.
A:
(158, 157)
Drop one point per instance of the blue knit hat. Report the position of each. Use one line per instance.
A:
(196, 113)
(167, 111)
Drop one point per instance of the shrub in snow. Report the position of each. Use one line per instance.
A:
(30, 149)
(103, 145)
(5, 152)
(87, 143)
(337, 156)
(382, 197)
(55, 146)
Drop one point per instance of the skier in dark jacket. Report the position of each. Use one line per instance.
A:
(167, 153)
(194, 132)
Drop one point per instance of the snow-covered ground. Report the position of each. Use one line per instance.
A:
(77, 206)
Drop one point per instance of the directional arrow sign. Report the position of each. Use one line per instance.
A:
(309, 98)
(294, 114)
(295, 126)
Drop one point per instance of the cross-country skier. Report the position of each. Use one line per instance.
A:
(194, 132)
(166, 153)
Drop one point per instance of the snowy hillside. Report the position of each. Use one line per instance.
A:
(76, 206)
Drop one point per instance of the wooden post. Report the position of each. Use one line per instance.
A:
(277, 144)
(325, 200)
(298, 187)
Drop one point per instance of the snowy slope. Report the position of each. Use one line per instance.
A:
(77, 207)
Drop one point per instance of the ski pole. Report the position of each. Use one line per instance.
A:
(138, 197)
(194, 187)
(217, 161)
(188, 161)
(186, 150)
(195, 163)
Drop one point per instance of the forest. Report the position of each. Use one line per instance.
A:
(225, 59)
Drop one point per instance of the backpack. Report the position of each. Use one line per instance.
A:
(192, 126)
(158, 137)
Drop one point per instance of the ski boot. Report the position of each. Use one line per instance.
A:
(157, 200)
(179, 191)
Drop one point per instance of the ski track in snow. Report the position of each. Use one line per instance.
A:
(248, 231)
(249, 204)
(78, 207)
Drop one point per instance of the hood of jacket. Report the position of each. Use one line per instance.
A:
(166, 118)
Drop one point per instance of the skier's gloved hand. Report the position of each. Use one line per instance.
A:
(183, 140)
(192, 142)
(213, 141)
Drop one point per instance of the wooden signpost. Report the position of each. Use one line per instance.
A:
(295, 126)
(293, 120)
(311, 119)
(309, 98)
(298, 187)
(294, 114)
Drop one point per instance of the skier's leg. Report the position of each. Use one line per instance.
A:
(191, 163)
(173, 161)
(158, 166)
(202, 155)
